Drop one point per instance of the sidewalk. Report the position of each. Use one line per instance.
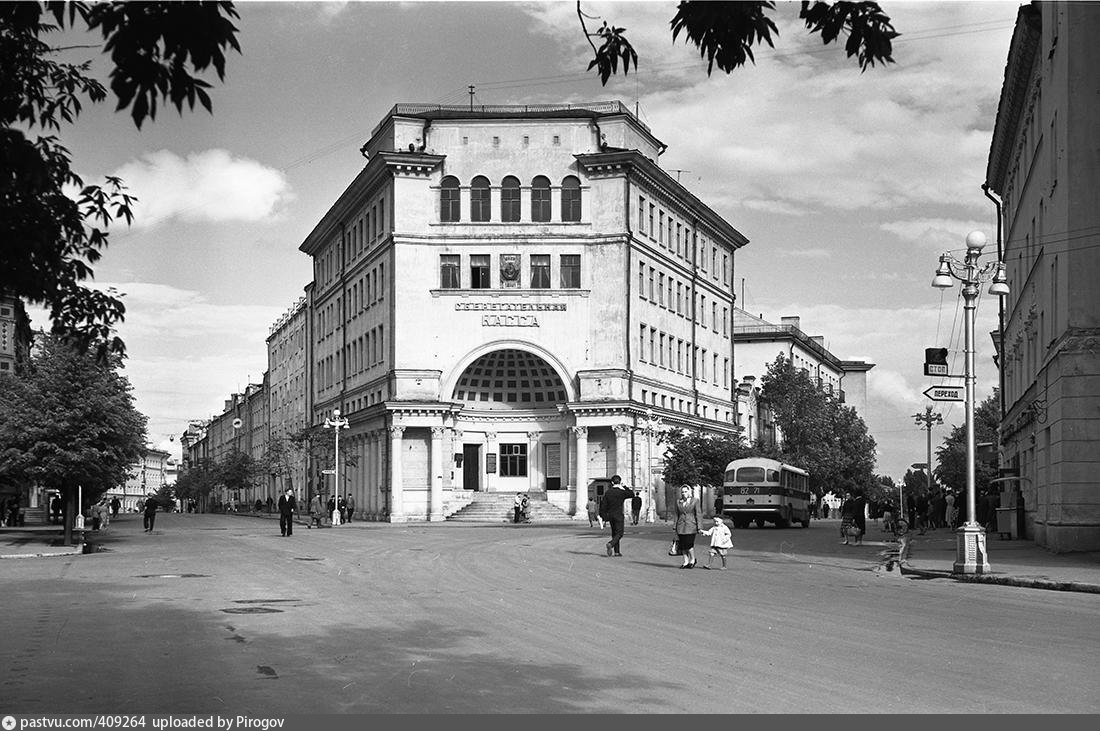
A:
(1011, 562)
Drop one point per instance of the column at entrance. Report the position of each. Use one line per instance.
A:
(435, 504)
(380, 473)
(532, 450)
(622, 451)
(397, 512)
(580, 496)
(490, 455)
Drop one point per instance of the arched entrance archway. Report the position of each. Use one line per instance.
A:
(513, 428)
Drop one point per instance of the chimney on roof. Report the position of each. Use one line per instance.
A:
(792, 321)
(819, 339)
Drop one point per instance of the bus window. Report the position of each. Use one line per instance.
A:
(773, 475)
(750, 474)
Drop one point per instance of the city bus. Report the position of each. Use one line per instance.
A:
(765, 491)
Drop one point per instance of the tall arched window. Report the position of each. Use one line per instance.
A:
(449, 209)
(479, 199)
(540, 198)
(570, 199)
(509, 199)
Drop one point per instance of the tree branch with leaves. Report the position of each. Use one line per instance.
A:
(726, 32)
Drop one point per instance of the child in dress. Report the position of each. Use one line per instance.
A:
(720, 540)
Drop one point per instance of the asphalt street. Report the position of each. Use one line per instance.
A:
(220, 614)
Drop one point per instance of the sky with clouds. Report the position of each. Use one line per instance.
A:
(848, 185)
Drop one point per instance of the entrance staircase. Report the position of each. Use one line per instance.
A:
(496, 507)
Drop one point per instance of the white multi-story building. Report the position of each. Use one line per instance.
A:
(1044, 165)
(147, 476)
(508, 299)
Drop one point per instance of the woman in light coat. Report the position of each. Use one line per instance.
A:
(689, 521)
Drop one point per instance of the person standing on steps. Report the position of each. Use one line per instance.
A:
(611, 510)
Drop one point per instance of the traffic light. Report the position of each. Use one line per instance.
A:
(935, 361)
(935, 355)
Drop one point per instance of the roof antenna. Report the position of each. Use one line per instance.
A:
(471, 97)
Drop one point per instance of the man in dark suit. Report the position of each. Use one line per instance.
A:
(635, 507)
(611, 510)
(287, 507)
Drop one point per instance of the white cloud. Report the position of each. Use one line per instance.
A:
(938, 234)
(205, 186)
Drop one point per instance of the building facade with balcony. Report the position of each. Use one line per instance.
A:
(15, 335)
(509, 299)
(1044, 164)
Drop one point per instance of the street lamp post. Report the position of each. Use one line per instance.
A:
(336, 424)
(970, 554)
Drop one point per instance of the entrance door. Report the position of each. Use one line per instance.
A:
(471, 473)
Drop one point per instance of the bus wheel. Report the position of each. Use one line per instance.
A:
(759, 522)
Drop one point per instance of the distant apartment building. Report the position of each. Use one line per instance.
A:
(1044, 164)
(151, 472)
(288, 396)
(241, 427)
(760, 342)
(15, 334)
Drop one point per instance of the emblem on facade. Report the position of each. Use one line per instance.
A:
(509, 270)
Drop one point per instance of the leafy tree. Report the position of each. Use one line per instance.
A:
(820, 434)
(318, 443)
(197, 482)
(49, 241)
(694, 458)
(237, 471)
(916, 483)
(725, 32)
(281, 456)
(951, 455)
(69, 420)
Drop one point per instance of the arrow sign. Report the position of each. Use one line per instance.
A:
(946, 393)
(328, 472)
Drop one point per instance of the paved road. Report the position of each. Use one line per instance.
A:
(217, 614)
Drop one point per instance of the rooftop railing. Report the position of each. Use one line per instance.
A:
(606, 107)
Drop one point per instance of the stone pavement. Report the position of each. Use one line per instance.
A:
(1012, 562)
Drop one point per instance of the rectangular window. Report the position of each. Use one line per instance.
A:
(679, 251)
(570, 271)
(652, 212)
(449, 274)
(652, 345)
(479, 271)
(661, 228)
(652, 292)
(641, 279)
(641, 344)
(540, 271)
(725, 322)
(661, 290)
(702, 310)
(679, 298)
(661, 350)
(714, 316)
(703, 365)
(513, 460)
(726, 372)
(509, 201)
(641, 215)
(714, 370)
(679, 356)
(725, 269)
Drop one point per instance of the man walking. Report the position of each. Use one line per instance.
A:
(635, 507)
(287, 507)
(349, 503)
(611, 510)
(149, 514)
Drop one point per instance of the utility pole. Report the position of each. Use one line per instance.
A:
(471, 97)
(926, 421)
